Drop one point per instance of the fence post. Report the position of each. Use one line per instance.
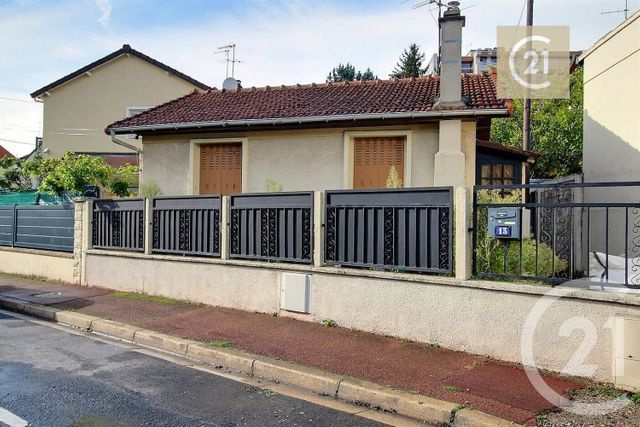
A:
(318, 226)
(14, 226)
(148, 226)
(463, 246)
(224, 227)
(80, 243)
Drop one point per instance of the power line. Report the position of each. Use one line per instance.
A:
(4, 98)
(16, 142)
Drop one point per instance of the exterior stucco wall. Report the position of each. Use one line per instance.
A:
(299, 163)
(35, 263)
(477, 317)
(76, 113)
(300, 160)
(611, 112)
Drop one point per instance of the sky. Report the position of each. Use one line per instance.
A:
(278, 41)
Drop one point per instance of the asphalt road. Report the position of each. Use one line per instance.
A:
(50, 377)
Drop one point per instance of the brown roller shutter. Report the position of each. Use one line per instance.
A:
(373, 158)
(221, 169)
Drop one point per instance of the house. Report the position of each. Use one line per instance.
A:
(4, 152)
(123, 83)
(322, 136)
(611, 89)
(475, 61)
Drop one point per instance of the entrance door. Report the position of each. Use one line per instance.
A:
(374, 158)
(220, 169)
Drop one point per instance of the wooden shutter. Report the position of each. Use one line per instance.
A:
(220, 169)
(373, 158)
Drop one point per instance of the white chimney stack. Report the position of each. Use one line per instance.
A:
(451, 25)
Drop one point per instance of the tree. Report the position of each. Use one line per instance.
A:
(347, 73)
(556, 131)
(410, 63)
(74, 173)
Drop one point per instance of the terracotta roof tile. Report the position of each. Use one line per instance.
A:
(4, 152)
(315, 100)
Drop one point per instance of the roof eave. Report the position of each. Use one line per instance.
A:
(199, 126)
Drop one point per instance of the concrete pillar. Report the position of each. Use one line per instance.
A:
(318, 228)
(78, 238)
(224, 227)
(148, 226)
(463, 239)
(450, 169)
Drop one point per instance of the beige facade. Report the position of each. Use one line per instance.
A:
(611, 111)
(305, 160)
(77, 111)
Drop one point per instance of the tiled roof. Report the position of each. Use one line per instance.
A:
(315, 100)
(4, 152)
(125, 50)
(498, 147)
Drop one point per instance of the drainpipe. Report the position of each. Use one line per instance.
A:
(122, 143)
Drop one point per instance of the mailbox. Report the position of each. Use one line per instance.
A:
(504, 223)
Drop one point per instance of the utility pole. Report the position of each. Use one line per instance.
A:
(526, 124)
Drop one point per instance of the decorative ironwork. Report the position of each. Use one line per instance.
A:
(635, 248)
(264, 232)
(330, 243)
(444, 241)
(156, 230)
(306, 233)
(115, 228)
(184, 227)
(235, 232)
(273, 233)
(216, 230)
(389, 246)
(140, 229)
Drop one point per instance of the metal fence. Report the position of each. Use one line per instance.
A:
(187, 225)
(118, 224)
(586, 233)
(37, 227)
(274, 226)
(404, 229)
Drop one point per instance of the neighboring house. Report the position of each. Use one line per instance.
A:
(475, 61)
(611, 112)
(4, 152)
(323, 136)
(123, 83)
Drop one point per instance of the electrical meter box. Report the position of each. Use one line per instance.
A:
(504, 223)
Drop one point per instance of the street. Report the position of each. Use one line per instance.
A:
(51, 377)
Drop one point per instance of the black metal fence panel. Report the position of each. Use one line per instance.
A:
(571, 232)
(274, 227)
(187, 225)
(403, 229)
(37, 227)
(118, 224)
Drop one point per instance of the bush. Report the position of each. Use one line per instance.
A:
(491, 252)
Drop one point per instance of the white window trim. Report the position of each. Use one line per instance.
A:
(193, 186)
(349, 153)
(128, 109)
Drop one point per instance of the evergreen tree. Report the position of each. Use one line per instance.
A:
(410, 63)
(347, 73)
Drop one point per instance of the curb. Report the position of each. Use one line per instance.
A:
(418, 407)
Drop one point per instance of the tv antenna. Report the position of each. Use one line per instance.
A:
(230, 57)
(625, 10)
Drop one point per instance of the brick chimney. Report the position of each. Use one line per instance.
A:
(451, 25)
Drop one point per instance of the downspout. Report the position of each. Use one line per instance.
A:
(122, 143)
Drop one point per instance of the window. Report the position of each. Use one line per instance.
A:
(374, 157)
(498, 174)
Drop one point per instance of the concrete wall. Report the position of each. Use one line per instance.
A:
(76, 113)
(300, 160)
(34, 263)
(611, 112)
(476, 317)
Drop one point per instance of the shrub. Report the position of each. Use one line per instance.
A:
(491, 252)
(273, 186)
(150, 189)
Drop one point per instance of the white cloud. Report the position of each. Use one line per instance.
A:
(105, 9)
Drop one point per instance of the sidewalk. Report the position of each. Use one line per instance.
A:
(489, 386)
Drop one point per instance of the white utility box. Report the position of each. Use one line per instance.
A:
(296, 292)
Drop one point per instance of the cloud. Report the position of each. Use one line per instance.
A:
(105, 9)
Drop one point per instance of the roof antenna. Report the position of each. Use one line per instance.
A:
(625, 10)
(230, 82)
